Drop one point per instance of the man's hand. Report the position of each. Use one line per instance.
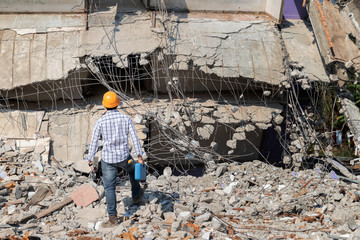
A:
(140, 159)
(92, 167)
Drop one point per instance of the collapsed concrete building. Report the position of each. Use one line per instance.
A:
(203, 81)
(214, 76)
(178, 73)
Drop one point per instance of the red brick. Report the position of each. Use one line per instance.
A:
(84, 195)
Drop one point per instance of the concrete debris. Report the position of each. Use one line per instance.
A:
(62, 199)
(251, 195)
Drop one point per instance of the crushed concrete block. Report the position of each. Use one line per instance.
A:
(202, 218)
(164, 233)
(208, 157)
(17, 192)
(295, 73)
(266, 93)
(349, 64)
(169, 217)
(82, 166)
(7, 148)
(216, 224)
(56, 228)
(119, 229)
(3, 174)
(228, 190)
(167, 172)
(39, 149)
(232, 200)
(138, 118)
(179, 234)
(205, 131)
(231, 144)
(195, 117)
(175, 226)
(214, 145)
(38, 165)
(219, 171)
(278, 119)
(263, 126)
(207, 120)
(150, 236)
(7, 233)
(338, 196)
(206, 235)
(11, 209)
(206, 199)
(185, 216)
(239, 136)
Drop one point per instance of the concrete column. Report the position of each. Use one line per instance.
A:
(71, 51)
(38, 58)
(54, 56)
(21, 67)
(6, 58)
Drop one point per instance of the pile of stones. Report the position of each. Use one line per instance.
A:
(251, 200)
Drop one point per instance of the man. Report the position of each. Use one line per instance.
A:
(114, 128)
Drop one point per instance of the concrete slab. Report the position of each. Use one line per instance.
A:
(301, 46)
(229, 47)
(334, 41)
(249, 49)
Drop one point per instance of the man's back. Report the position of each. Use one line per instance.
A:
(114, 128)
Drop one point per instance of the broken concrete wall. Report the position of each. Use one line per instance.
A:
(227, 55)
(230, 130)
(22, 124)
(42, 6)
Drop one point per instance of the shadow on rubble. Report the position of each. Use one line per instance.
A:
(156, 199)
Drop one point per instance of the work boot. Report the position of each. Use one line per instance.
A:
(112, 222)
(138, 198)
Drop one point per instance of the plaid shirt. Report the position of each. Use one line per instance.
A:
(114, 127)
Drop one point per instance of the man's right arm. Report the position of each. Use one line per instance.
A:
(94, 143)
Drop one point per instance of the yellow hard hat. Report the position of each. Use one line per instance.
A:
(110, 100)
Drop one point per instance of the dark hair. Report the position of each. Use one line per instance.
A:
(111, 108)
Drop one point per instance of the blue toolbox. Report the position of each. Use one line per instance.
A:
(140, 171)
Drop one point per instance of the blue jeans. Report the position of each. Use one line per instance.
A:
(109, 172)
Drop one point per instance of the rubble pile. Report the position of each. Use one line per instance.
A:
(252, 200)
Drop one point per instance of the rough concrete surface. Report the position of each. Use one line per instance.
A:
(249, 200)
(301, 46)
(249, 49)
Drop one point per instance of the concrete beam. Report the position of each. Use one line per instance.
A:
(21, 6)
(37, 23)
(212, 5)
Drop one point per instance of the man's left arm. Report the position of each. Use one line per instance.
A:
(135, 141)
